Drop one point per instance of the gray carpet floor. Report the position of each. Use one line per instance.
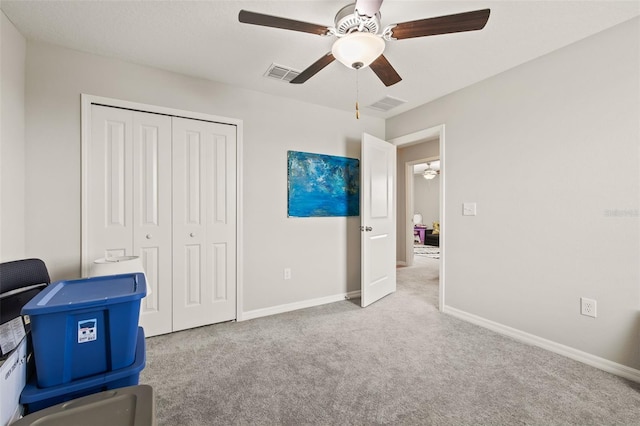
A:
(398, 361)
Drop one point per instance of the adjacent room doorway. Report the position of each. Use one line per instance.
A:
(423, 201)
(436, 132)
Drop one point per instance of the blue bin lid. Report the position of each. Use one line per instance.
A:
(87, 292)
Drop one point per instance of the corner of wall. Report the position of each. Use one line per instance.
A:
(12, 148)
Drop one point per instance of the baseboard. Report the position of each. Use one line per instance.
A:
(401, 263)
(273, 310)
(575, 354)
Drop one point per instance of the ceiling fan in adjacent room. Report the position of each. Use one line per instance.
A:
(430, 173)
(361, 38)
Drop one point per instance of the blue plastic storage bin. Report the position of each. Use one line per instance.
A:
(35, 398)
(85, 327)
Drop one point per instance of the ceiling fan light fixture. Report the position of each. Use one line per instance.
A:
(429, 173)
(358, 50)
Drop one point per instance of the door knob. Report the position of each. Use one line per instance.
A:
(192, 235)
(149, 236)
(368, 228)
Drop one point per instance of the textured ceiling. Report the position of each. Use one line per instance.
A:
(204, 39)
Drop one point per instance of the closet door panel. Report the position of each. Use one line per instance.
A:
(110, 196)
(221, 220)
(152, 216)
(219, 270)
(204, 193)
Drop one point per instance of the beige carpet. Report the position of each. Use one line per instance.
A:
(398, 361)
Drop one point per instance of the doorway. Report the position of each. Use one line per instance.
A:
(405, 227)
(423, 201)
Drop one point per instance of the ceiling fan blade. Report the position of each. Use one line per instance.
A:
(313, 69)
(368, 8)
(385, 72)
(254, 18)
(467, 21)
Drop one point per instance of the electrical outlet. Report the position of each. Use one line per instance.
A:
(287, 273)
(588, 307)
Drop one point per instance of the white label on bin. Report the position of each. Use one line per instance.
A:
(87, 330)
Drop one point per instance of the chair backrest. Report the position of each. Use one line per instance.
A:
(20, 280)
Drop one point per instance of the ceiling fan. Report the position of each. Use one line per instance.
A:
(361, 39)
(430, 173)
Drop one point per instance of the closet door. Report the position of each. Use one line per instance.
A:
(204, 223)
(152, 216)
(110, 195)
(129, 200)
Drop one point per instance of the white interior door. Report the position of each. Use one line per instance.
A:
(152, 216)
(129, 200)
(110, 197)
(204, 223)
(378, 219)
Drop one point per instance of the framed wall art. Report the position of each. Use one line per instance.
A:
(322, 185)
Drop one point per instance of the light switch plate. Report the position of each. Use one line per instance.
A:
(468, 209)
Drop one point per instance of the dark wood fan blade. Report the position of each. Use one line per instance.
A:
(468, 21)
(314, 69)
(385, 72)
(254, 18)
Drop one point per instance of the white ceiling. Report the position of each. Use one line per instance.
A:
(204, 39)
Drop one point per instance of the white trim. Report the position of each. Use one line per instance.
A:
(119, 103)
(85, 124)
(419, 136)
(575, 354)
(409, 208)
(239, 223)
(85, 139)
(288, 307)
(442, 240)
(416, 138)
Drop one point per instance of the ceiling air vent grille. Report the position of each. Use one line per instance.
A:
(281, 73)
(387, 103)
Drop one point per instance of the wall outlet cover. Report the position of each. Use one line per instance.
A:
(588, 307)
(468, 209)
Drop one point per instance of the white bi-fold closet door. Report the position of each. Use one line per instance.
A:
(164, 188)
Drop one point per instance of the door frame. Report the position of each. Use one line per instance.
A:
(416, 138)
(86, 101)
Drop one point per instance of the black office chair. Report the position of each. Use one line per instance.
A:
(20, 280)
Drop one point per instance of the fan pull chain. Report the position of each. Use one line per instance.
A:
(357, 97)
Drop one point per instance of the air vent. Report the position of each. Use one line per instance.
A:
(281, 73)
(387, 103)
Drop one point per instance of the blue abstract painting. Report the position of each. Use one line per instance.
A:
(322, 185)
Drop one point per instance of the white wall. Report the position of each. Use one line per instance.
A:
(558, 209)
(323, 253)
(12, 152)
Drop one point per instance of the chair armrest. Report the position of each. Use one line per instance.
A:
(21, 290)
